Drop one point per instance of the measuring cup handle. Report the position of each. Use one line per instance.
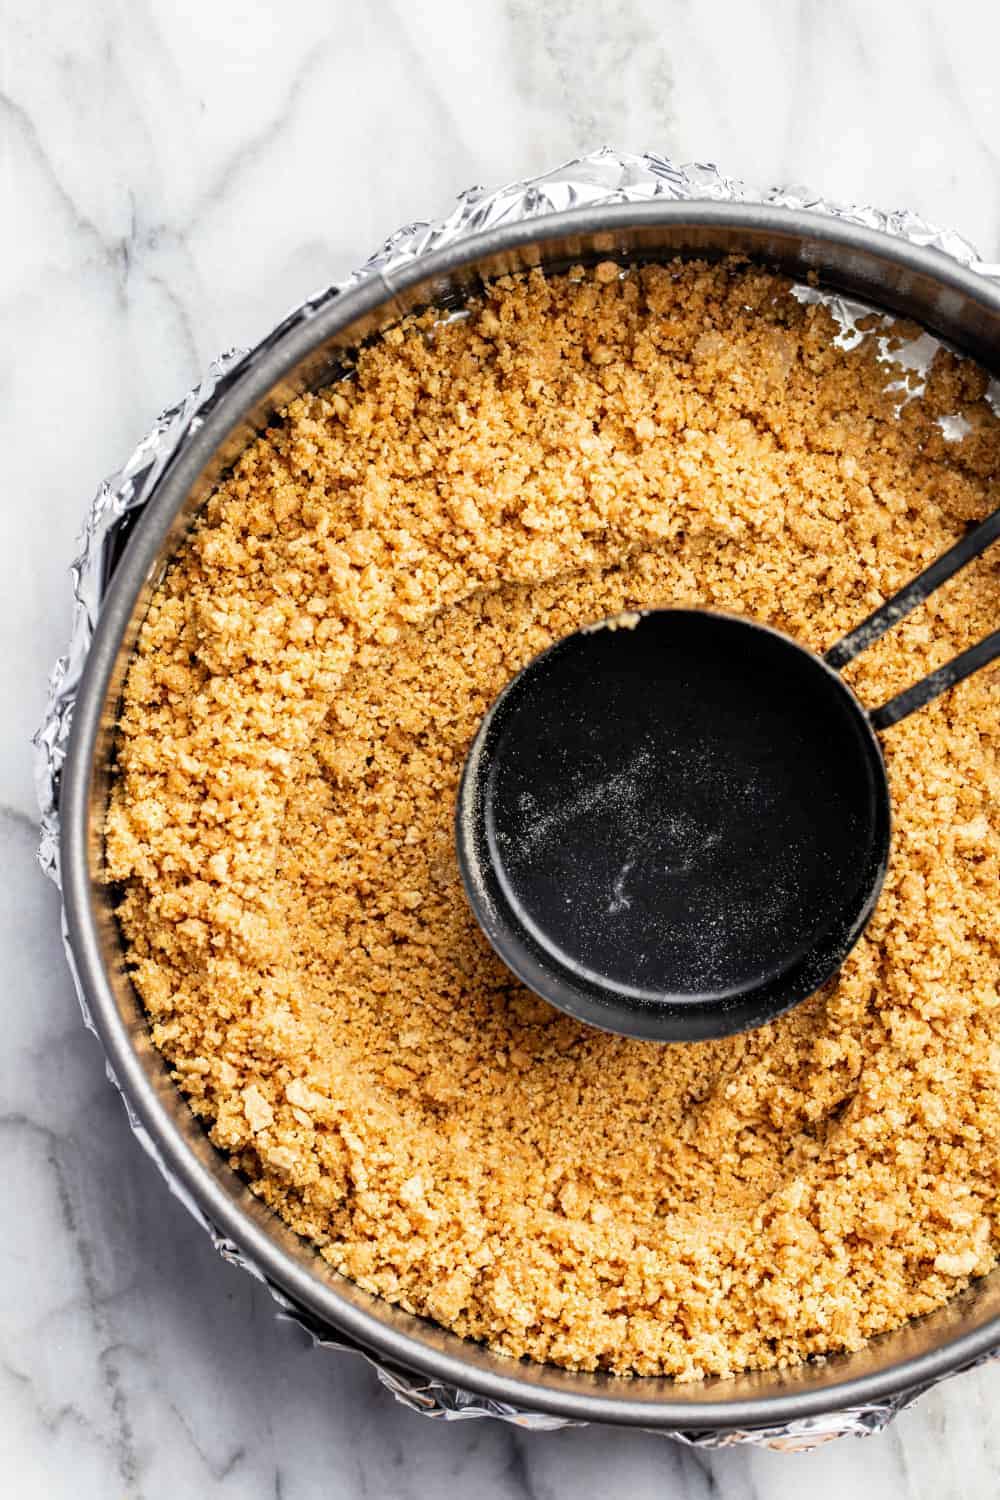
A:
(914, 593)
(935, 683)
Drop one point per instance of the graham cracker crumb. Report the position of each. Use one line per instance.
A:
(306, 683)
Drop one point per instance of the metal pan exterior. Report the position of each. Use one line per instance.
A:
(923, 284)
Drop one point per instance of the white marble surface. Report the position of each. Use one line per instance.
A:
(176, 173)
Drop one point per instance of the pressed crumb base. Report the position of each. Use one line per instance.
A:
(307, 681)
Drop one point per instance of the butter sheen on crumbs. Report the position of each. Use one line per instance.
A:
(306, 683)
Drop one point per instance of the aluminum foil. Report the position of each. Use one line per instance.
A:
(604, 177)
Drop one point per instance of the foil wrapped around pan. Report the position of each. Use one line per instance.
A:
(604, 177)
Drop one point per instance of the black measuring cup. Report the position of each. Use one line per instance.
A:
(675, 824)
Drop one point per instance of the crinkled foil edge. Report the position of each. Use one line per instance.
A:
(603, 177)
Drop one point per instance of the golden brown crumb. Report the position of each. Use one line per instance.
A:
(307, 681)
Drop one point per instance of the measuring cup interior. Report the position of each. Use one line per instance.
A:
(675, 828)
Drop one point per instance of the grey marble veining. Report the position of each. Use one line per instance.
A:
(176, 173)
